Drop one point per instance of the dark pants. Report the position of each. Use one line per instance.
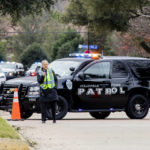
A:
(44, 106)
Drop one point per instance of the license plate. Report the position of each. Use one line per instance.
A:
(32, 99)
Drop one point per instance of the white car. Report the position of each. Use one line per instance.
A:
(2, 76)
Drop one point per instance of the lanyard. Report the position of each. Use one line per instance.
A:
(46, 77)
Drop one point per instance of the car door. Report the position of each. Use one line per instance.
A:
(120, 80)
(91, 86)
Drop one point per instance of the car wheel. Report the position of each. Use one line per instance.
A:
(61, 109)
(26, 114)
(137, 107)
(100, 115)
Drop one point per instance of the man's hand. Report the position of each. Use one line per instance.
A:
(43, 73)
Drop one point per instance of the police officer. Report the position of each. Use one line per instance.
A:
(48, 95)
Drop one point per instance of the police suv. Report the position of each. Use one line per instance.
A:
(102, 86)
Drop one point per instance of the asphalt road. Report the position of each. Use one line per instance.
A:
(79, 131)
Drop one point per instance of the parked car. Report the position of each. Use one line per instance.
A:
(12, 69)
(20, 69)
(33, 69)
(2, 77)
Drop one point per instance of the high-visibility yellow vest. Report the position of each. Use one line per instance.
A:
(49, 81)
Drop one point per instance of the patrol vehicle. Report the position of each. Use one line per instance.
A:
(2, 76)
(12, 69)
(102, 86)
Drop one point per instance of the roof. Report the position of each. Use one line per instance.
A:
(124, 58)
(104, 58)
(74, 59)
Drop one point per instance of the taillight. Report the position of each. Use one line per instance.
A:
(33, 74)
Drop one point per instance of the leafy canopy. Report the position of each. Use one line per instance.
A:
(66, 43)
(32, 54)
(3, 46)
(104, 14)
(18, 8)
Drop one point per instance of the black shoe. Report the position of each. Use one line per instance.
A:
(54, 121)
(43, 122)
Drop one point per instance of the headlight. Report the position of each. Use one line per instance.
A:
(10, 73)
(33, 93)
(34, 90)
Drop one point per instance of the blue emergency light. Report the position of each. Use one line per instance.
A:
(1, 61)
(37, 63)
(85, 55)
(80, 55)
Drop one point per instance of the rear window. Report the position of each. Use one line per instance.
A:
(141, 68)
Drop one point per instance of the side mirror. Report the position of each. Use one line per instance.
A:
(72, 69)
(81, 75)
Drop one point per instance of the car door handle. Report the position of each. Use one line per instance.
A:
(127, 82)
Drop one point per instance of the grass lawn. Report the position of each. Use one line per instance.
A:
(9, 138)
(6, 131)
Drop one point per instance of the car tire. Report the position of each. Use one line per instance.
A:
(100, 115)
(26, 114)
(61, 109)
(137, 107)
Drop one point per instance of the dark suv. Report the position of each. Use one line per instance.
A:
(99, 87)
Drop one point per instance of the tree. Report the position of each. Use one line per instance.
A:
(140, 30)
(18, 8)
(101, 16)
(32, 54)
(28, 33)
(36, 30)
(108, 15)
(66, 43)
(3, 46)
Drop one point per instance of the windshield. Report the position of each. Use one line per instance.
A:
(33, 66)
(8, 66)
(62, 68)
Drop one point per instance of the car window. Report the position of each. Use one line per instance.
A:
(119, 70)
(141, 68)
(34, 66)
(8, 65)
(62, 68)
(98, 70)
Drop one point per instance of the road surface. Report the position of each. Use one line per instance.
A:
(79, 131)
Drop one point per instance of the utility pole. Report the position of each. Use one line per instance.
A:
(88, 42)
(88, 38)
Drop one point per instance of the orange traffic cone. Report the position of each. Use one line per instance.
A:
(15, 114)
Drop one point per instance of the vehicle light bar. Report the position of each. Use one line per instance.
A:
(87, 55)
(37, 63)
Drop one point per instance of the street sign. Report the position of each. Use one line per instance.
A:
(86, 46)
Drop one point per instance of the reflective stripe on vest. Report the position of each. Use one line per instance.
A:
(50, 83)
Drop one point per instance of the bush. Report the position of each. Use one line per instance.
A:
(66, 43)
(2, 51)
(33, 53)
